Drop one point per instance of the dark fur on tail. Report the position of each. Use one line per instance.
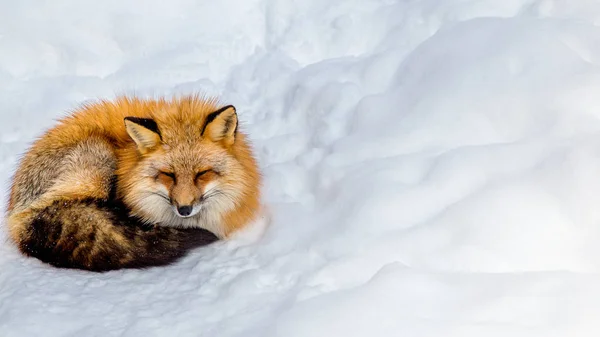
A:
(99, 236)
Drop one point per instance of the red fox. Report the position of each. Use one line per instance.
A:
(133, 183)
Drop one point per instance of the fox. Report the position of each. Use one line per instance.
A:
(133, 183)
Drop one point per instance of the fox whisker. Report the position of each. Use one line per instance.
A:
(158, 194)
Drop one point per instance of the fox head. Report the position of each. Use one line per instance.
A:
(188, 169)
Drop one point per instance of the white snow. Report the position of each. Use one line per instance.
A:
(432, 167)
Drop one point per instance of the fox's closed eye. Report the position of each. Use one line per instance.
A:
(167, 174)
(201, 173)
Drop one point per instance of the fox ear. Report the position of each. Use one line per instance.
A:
(221, 125)
(144, 133)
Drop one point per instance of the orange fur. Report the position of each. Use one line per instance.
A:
(183, 149)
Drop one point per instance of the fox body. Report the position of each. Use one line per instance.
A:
(133, 183)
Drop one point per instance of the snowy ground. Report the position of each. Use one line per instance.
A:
(433, 166)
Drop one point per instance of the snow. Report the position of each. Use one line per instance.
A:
(431, 167)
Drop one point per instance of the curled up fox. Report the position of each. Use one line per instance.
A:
(133, 183)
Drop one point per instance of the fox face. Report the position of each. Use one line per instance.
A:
(185, 174)
(192, 180)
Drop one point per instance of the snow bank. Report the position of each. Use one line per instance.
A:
(431, 166)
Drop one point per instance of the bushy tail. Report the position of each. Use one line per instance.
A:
(100, 236)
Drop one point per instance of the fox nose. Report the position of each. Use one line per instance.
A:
(184, 210)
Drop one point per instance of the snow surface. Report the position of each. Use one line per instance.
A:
(432, 167)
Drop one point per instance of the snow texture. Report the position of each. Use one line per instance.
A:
(432, 167)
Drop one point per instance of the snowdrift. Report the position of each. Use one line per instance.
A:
(432, 167)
